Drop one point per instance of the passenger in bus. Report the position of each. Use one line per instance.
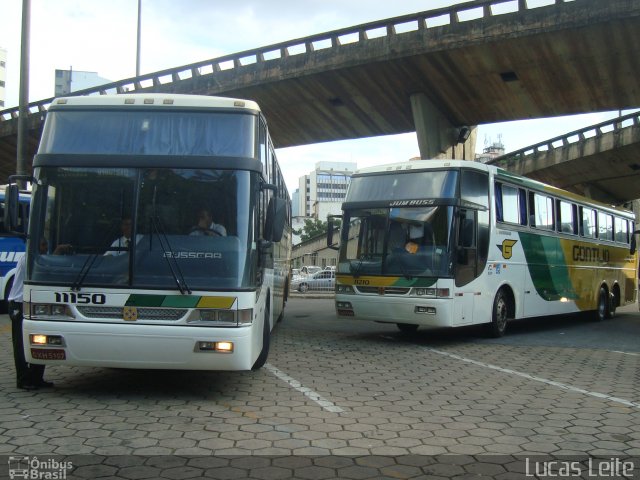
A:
(28, 376)
(206, 226)
(122, 244)
(416, 239)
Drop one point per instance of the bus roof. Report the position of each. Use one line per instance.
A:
(413, 165)
(166, 100)
(417, 165)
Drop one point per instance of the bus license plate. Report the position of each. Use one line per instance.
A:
(48, 354)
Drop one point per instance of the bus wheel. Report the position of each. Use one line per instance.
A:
(266, 334)
(613, 303)
(602, 312)
(407, 327)
(284, 301)
(499, 316)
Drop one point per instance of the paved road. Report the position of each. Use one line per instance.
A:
(348, 400)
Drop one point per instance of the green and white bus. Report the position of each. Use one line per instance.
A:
(452, 243)
(172, 296)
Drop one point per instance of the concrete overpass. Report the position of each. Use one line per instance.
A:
(436, 72)
(601, 161)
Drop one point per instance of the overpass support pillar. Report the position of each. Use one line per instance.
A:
(437, 137)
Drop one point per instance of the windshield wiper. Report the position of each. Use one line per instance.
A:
(89, 262)
(82, 274)
(173, 266)
(356, 271)
(404, 272)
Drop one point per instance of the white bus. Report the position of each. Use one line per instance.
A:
(452, 243)
(179, 295)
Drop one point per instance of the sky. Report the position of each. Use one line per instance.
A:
(100, 36)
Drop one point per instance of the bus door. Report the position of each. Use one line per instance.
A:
(466, 268)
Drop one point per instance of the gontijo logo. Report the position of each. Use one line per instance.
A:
(507, 248)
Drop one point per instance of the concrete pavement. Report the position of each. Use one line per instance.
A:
(338, 400)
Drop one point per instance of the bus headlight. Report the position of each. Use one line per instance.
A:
(431, 292)
(227, 316)
(222, 318)
(345, 289)
(219, 347)
(46, 340)
(56, 311)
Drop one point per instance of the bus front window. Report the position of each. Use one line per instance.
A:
(119, 227)
(410, 242)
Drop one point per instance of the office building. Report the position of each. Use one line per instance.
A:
(3, 76)
(68, 81)
(323, 190)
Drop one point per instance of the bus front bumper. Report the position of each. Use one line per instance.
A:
(142, 346)
(432, 312)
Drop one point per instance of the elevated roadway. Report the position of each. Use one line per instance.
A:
(437, 72)
(600, 161)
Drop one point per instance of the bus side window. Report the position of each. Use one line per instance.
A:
(587, 222)
(566, 217)
(466, 233)
(467, 261)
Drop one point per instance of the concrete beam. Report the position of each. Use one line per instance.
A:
(437, 137)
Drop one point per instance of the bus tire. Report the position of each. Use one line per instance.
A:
(602, 311)
(266, 336)
(499, 315)
(284, 301)
(407, 327)
(613, 302)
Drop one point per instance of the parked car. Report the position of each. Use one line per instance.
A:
(322, 280)
(309, 270)
(330, 267)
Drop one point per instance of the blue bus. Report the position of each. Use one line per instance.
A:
(12, 246)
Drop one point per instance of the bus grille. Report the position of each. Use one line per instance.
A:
(384, 290)
(144, 313)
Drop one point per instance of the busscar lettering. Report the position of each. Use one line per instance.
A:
(191, 255)
(590, 254)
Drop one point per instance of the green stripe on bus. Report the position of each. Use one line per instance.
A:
(178, 301)
(142, 300)
(181, 301)
(173, 301)
(547, 266)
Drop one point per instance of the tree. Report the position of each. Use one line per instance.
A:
(313, 228)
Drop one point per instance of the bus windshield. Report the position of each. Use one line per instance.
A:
(143, 228)
(410, 242)
(149, 132)
(403, 186)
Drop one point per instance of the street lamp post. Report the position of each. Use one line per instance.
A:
(23, 104)
(138, 39)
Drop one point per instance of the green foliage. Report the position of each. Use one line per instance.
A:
(314, 228)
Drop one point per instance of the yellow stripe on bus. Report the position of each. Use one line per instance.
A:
(216, 302)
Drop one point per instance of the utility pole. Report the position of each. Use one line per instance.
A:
(21, 165)
(138, 42)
